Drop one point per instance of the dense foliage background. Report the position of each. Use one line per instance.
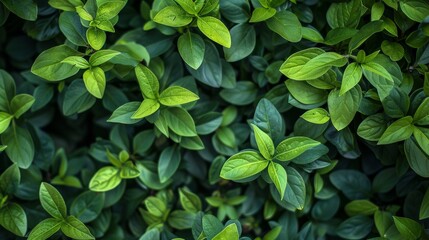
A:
(214, 119)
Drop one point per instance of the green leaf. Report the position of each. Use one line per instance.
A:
(45, 229)
(422, 138)
(416, 10)
(287, 25)
(311, 63)
(345, 14)
(394, 50)
(109, 9)
(306, 93)
(343, 108)
(360, 207)
(351, 77)
(293, 147)
(70, 26)
(264, 142)
(102, 56)
(357, 227)
(48, 64)
(417, 159)
(424, 208)
(87, 206)
(316, 116)
(364, 33)
(7, 90)
(372, 127)
(155, 206)
(189, 6)
(278, 175)
(129, 171)
(377, 69)
(169, 162)
(105, 179)
(77, 99)
(243, 42)
(52, 201)
(295, 189)
(421, 117)
(146, 108)
(408, 228)
(189, 201)
(21, 103)
(10, 179)
(75, 229)
(95, 81)
(180, 219)
(77, 61)
(13, 218)
(123, 113)
(226, 136)
(262, 14)
(242, 165)
(215, 30)
(26, 9)
(268, 119)
(152, 234)
(377, 11)
(354, 184)
(338, 35)
(180, 122)
(5, 119)
(148, 82)
(20, 146)
(176, 95)
(399, 130)
(229, 232)
(191, 48)
(173, 16)
(96, 37)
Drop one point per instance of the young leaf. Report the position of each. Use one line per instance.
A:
(176, 95)
(45, 229)
(146, 108)
(129, 171)
(242, 165)
(229, 232)
(173, 16)
(105, 179)
(148, 82)
(351, 77)
(293, 147)
(102, 56)
(5, 119)
(214, 29)
(191, 48)
(13, 218)
(360, 207)
(52, 201)
(95, 81)
(264, 142)
(278, 175)
(262, 14)
(421, 117)
(75, 229)
(20, 104)
(316, 116)
(96, 37)
(399, 130)
(180, 122)
(190, 201)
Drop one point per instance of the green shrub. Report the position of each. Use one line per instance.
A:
(214, 119)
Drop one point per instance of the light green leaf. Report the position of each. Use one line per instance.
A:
(189, 6)
(5, 119)
(262, 14)
(243, 165)
(48, 64)
(105, 179)
(409, 229)
(287, 25)
(377, 69)
(129, 171)
(155, 206)
(399, 130)
(316, 116)
(189, 201)
(45, 229)
(293, 147)
(13, 218)
(421, 117)
(372, 127)
(176, 95)
(96, 37)
(215, 30)
(95, 81)
(77, 61)
(311, 63)
(360, 207)
(424, 208)
(52, 201)
(173, 16)
(422, 138)
(264, 142)
(278, 175)
(20, 104)
(230, 232)
(191, 48)
(75, 229)
(351, 77)
(345, 14)
(148, 82)
(123, 113)
(180, 122)
(146, 108)
(109, 9)
(416, 10)
(343, 108)
(102, 56)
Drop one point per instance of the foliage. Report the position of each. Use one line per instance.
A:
(214, 119)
